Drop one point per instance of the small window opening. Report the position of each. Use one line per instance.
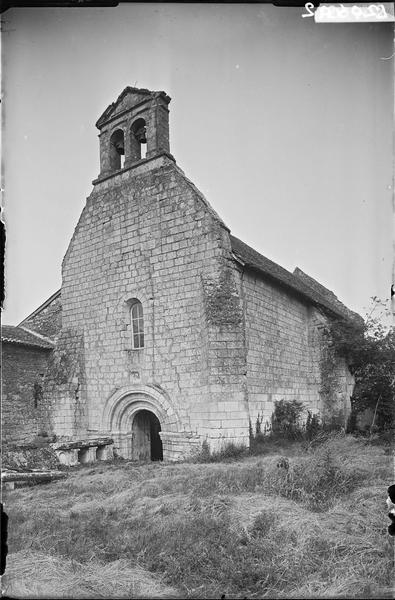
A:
(117, 150)
(138, 140)
(137, 324)
(38, 391)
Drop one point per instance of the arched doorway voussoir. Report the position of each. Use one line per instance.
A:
(123, 407)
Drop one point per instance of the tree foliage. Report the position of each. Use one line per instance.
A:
(369, 349)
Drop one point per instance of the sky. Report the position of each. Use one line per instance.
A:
(285, 125)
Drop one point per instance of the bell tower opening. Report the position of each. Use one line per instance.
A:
(138, 140)
(146, 441)
(117, 150)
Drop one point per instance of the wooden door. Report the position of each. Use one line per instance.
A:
(141, 439)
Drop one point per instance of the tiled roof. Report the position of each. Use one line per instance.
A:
(18, 335)
(42, 306)
(328, 294)
(295, 282)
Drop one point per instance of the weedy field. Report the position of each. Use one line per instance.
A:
(312, 524)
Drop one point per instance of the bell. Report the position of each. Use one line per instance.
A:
(141, 135)
(119, 148)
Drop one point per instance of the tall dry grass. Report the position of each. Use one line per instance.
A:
(315, 526)
(37, 575)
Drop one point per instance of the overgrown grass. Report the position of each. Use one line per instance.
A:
(230, 452)
(312, 525)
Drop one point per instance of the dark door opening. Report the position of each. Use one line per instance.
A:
(146, 442)
(156, 442)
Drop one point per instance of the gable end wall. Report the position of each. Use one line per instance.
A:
(150, 235)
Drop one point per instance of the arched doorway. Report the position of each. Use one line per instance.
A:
(119, 413)
(146, 442)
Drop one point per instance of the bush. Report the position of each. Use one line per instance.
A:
(286, 418)
(204, 456)
(313, 425)
(287, 428)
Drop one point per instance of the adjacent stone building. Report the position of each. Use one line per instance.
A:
(24, 413)
(169, 330)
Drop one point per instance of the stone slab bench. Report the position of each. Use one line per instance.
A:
(10, 477)
(84, 451)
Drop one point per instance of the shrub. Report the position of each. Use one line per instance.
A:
(286, 428)
(204, 456)
(286, 418)
(312, 426)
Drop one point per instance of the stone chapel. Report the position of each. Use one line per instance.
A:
(167, 330)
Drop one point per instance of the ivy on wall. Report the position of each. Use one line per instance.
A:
(369, 350)
(330, 386)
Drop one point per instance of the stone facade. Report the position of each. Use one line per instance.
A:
(224, 336)
(151, 236)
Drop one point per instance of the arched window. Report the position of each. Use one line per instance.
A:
(117, 150)
(138, 140)
(137, 325)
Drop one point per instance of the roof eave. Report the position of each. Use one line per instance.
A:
(28, 344)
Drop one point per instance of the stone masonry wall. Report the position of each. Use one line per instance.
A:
(22, 368)
(64, 387)
(148, 233)
(284, 349)
(227, 414)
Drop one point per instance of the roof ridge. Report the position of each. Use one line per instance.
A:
(312, 281)
(289, 279)
(328, 294)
